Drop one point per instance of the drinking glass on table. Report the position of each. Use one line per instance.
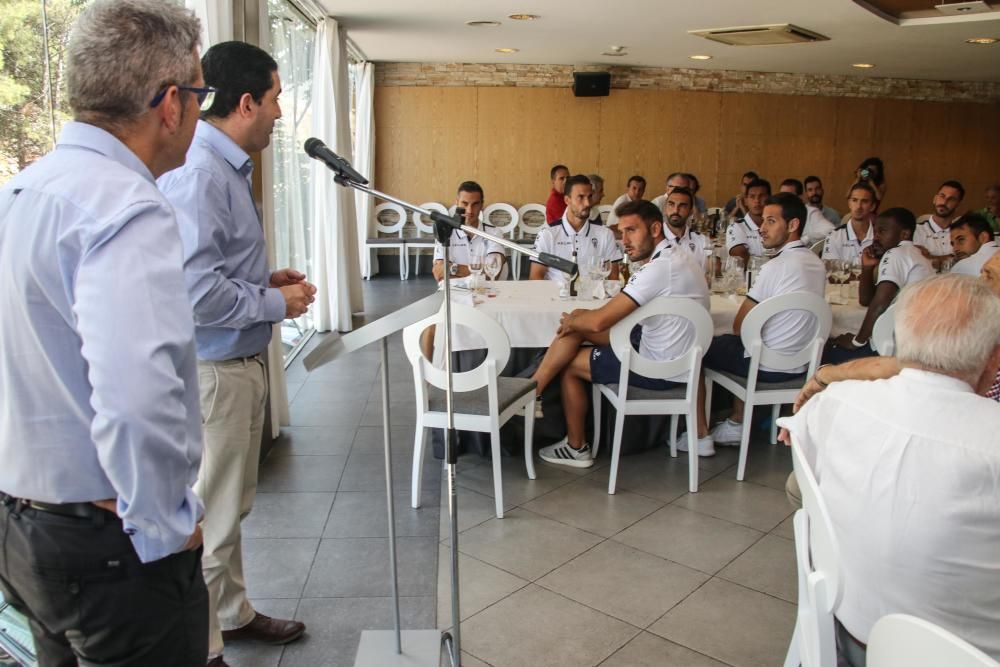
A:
(493, 264)
(946, 264)
(476, 268)
(612, 288)
(855, 271)
(734, 275)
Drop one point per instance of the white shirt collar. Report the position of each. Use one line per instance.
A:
(660, 247)
(748, 221)
(852, 235)
(568, 228)
(930, 377)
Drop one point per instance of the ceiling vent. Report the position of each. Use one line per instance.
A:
(962, 8)
(761, 35)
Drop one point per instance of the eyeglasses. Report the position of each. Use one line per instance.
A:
(205, 95)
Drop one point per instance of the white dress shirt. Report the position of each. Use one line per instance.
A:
(745, 232)
(560, 239)
(903, 265)
(936, 239)
(972, 265)
(909, 468)
(794, 269)
(817, 227)
(843, 242)
(671, 271)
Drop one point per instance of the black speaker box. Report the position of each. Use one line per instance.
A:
(591, 84)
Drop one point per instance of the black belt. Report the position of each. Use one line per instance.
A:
(74, 510)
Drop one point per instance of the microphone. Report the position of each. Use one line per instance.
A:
(316, 149)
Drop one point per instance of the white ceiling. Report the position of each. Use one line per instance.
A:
(655, 34)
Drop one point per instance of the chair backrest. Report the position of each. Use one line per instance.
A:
(818, 560)
(530, 219)
(688, 363)
(497, 349)
(884, 332)
(385, 212)
(605, 210)
(817, 247)
(765, 310)
(901, 640)
(426, 226)
(502, 216)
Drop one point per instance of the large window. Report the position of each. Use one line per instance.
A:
(292, 38)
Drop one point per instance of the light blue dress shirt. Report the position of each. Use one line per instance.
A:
(225, 256)
(98, 373)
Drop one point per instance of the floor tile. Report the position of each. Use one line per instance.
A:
(517, 488)
(347, 415)
(301, 473)
(368, 439)
(363, 514)
(689, 538)
(277, 568)
(313, 440)
(400, 414)
(585, 504)
(648, 650)
(468, 660)
(540, 628)
(732, 624)
(767, 465)
(525, 544)
(288, 515)
(359, 567)
(473, 509)
(335, 626)
(365, 471)
(654, 474)
(768, 566)
(744, 503)
(623, 582)
(480, 585)
(254, 654)
(786, 528)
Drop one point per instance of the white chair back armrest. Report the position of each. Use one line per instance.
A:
(688, 309)
(525, 213)
(503, 228)
(426, 226)
(393, 228)
(884, 332)
(753, 325)
(901, 640)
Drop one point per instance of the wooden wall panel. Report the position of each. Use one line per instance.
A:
(429, 139)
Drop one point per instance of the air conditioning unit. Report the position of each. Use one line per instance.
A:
(761, 35)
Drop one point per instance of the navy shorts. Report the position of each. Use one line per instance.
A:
(726, 354)
(605, 368)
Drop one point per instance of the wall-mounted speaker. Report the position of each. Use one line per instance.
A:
(591, 84)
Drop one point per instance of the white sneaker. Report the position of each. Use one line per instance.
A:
(562, 454)
(728, 433)
(706, 446)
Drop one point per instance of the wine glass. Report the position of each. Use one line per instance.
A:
(612, 288)
(946, 264)
(493, 264)
(855, 270)
(476, 268)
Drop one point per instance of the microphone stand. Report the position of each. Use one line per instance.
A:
(443, 226)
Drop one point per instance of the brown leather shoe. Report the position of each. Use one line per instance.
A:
(266, 629)
(217, 662)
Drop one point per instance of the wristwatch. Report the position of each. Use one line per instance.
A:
(454, 269)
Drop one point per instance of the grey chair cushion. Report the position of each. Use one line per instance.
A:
(478, 402)
(794, 383)
(639, 394)
(530, 241)
(385, 240)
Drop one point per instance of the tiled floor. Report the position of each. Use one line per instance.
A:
(571, 576)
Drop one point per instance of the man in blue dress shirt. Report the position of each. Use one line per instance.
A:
(236, 301)
(100, 435)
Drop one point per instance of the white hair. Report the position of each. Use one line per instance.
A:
(949, 324)
(122, 52)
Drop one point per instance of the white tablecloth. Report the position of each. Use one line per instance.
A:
(529, 311)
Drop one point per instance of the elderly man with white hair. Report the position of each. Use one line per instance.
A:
(909, 467)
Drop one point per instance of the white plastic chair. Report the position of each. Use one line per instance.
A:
(530, 221)
(884, 332)
(628, 400)
(425, 233)
(754, 392)
(494, 214)
(821, 586)
(817, 248)
(901, 640)
(396, 241)
(483, 401)
(605, 210)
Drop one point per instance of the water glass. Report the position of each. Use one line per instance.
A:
(612, 288)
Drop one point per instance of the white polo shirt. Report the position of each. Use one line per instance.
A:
(817, 226)
(903, 265)
(910, 471)
(843, 243)
(591, 241)
(936, 239)
(612, 218)
(462, 246)
(690, 241)
(671, 271)
(972, 265)
(745, 232)
(794, 269)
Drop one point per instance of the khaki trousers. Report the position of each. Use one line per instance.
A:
(233, 398)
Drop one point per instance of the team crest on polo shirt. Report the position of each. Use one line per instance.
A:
(593, 242)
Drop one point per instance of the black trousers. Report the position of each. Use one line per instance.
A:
(91, 601)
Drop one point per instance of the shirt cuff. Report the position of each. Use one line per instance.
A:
(274, 305)
(154, 541)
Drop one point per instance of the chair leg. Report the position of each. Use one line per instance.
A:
(616, 446)
(368, 263)
(529, 438)
(708, 402)
(597, 420)
(692, 435)
(673, 436)
(793, 657)
(416, 266)
(416, 478)
(404, 265)
(775, 414)
(497, 473)
(744, 441)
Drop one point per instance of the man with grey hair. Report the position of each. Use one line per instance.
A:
(100, 437)
(910, 471)
(596, 197)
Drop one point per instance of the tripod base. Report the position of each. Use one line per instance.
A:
(421, 648)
